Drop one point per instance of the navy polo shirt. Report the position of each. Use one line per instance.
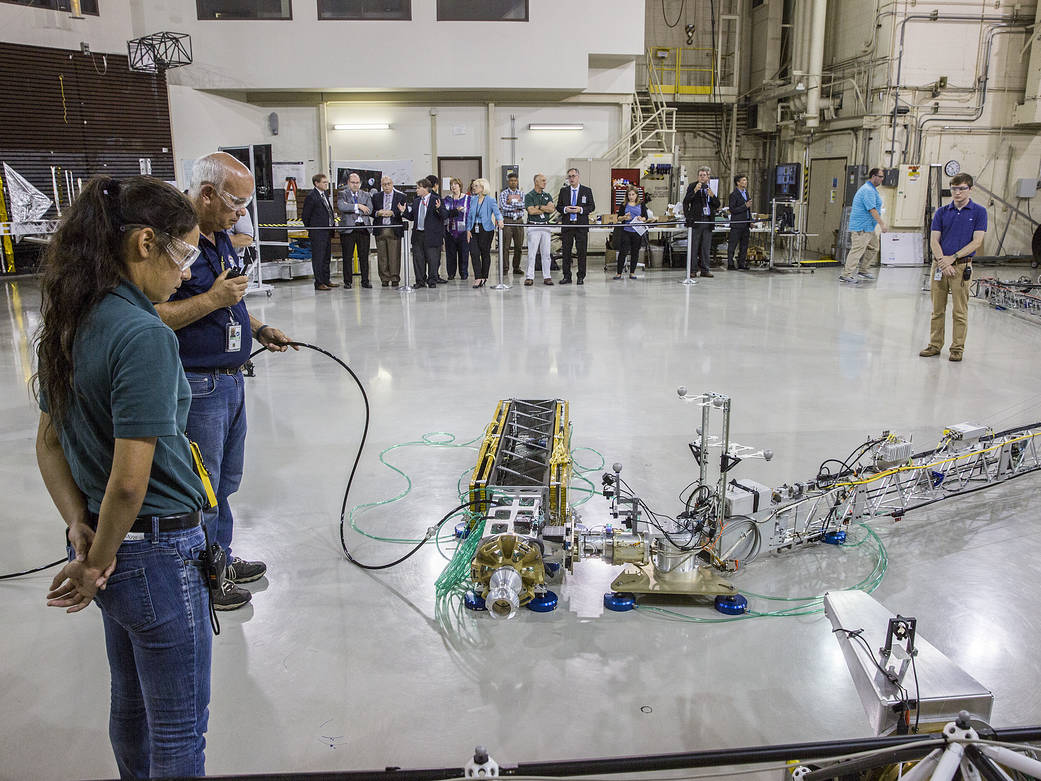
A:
(203, 343)
(956, 225)
(128, 383)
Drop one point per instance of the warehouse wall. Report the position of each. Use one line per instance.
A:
(107, 33)
(412, 54)
(862, 55)
(202, 122)
(462, 131)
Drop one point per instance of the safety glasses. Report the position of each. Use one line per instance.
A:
(231, 201)
(181, 252)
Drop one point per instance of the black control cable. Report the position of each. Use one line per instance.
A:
(431, 532)
(350, 480)
(34, 570)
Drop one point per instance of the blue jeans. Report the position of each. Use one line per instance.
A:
(157, 634)
(217, 423)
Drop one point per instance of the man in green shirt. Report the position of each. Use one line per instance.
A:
(539, 205)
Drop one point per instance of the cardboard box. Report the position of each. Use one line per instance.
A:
(608, 219)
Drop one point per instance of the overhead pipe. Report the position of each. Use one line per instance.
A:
(992, 31)
(816, 62)
(934, 16)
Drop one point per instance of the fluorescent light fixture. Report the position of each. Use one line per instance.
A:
(364, 126)
(556, 126)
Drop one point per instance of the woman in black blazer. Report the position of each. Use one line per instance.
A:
(628, 240)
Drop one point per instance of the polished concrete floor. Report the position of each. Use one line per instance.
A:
(335, 668)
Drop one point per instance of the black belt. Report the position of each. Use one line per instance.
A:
(167, 523)
(216, 370)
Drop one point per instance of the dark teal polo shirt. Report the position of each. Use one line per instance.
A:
(128, 383)
(537, 199)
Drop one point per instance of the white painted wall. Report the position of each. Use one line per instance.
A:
(107, 33)
(203, 122)
(462, 132)
(419, 54)
(547, 151)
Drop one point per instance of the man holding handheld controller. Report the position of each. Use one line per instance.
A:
(215, 333)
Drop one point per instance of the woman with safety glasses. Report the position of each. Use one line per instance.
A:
(114, 457)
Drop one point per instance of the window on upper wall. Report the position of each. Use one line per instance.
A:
(482, 10)
(86, 6)
(398, 10)
(244, 9)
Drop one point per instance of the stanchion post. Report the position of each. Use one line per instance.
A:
(406, 243)
(690, 249)
(502, 285)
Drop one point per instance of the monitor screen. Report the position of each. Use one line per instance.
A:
(787, 181)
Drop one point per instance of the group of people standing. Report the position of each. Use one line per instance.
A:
(462, 222)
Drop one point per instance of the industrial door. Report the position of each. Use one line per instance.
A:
(465, 169)
(824, 205)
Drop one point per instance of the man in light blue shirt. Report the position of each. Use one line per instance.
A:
(863, 241)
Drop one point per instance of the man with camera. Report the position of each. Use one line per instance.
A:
(700, 205)
(957, 232)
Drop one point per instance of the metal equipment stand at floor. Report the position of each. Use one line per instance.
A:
(406, 243)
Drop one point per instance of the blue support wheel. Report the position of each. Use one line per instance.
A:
(835, 538)
(473, 601)
(546, 603)
(619, 601)
(734, 605)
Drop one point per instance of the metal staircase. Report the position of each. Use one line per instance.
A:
(653, 127)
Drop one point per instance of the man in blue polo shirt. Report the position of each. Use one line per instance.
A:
(957, 232)
(864, 214)
(216, 335)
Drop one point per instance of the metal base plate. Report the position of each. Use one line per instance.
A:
(702, 581)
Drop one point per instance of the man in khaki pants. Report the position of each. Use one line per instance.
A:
(957, 232)
(863, 242)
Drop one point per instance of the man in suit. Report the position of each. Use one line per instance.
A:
(740, 223)
(575, 203)
(427, 215)
(388, 205)
(355, 207)
(318, 213)
(700, 205)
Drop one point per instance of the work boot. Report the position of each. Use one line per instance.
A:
(929, 352)
(239, 571)
(230, 597)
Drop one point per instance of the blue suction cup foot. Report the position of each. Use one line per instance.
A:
(835, 538)
(462, 530)
(473, 601)
(734, 605)
(546, 603)
(619, 601)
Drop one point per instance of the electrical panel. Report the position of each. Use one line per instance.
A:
(911, 188)
(1026, 188)
(856, 175)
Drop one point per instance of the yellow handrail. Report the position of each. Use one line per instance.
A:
(671, 65)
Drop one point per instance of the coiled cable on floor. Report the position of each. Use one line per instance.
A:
(431, 532)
